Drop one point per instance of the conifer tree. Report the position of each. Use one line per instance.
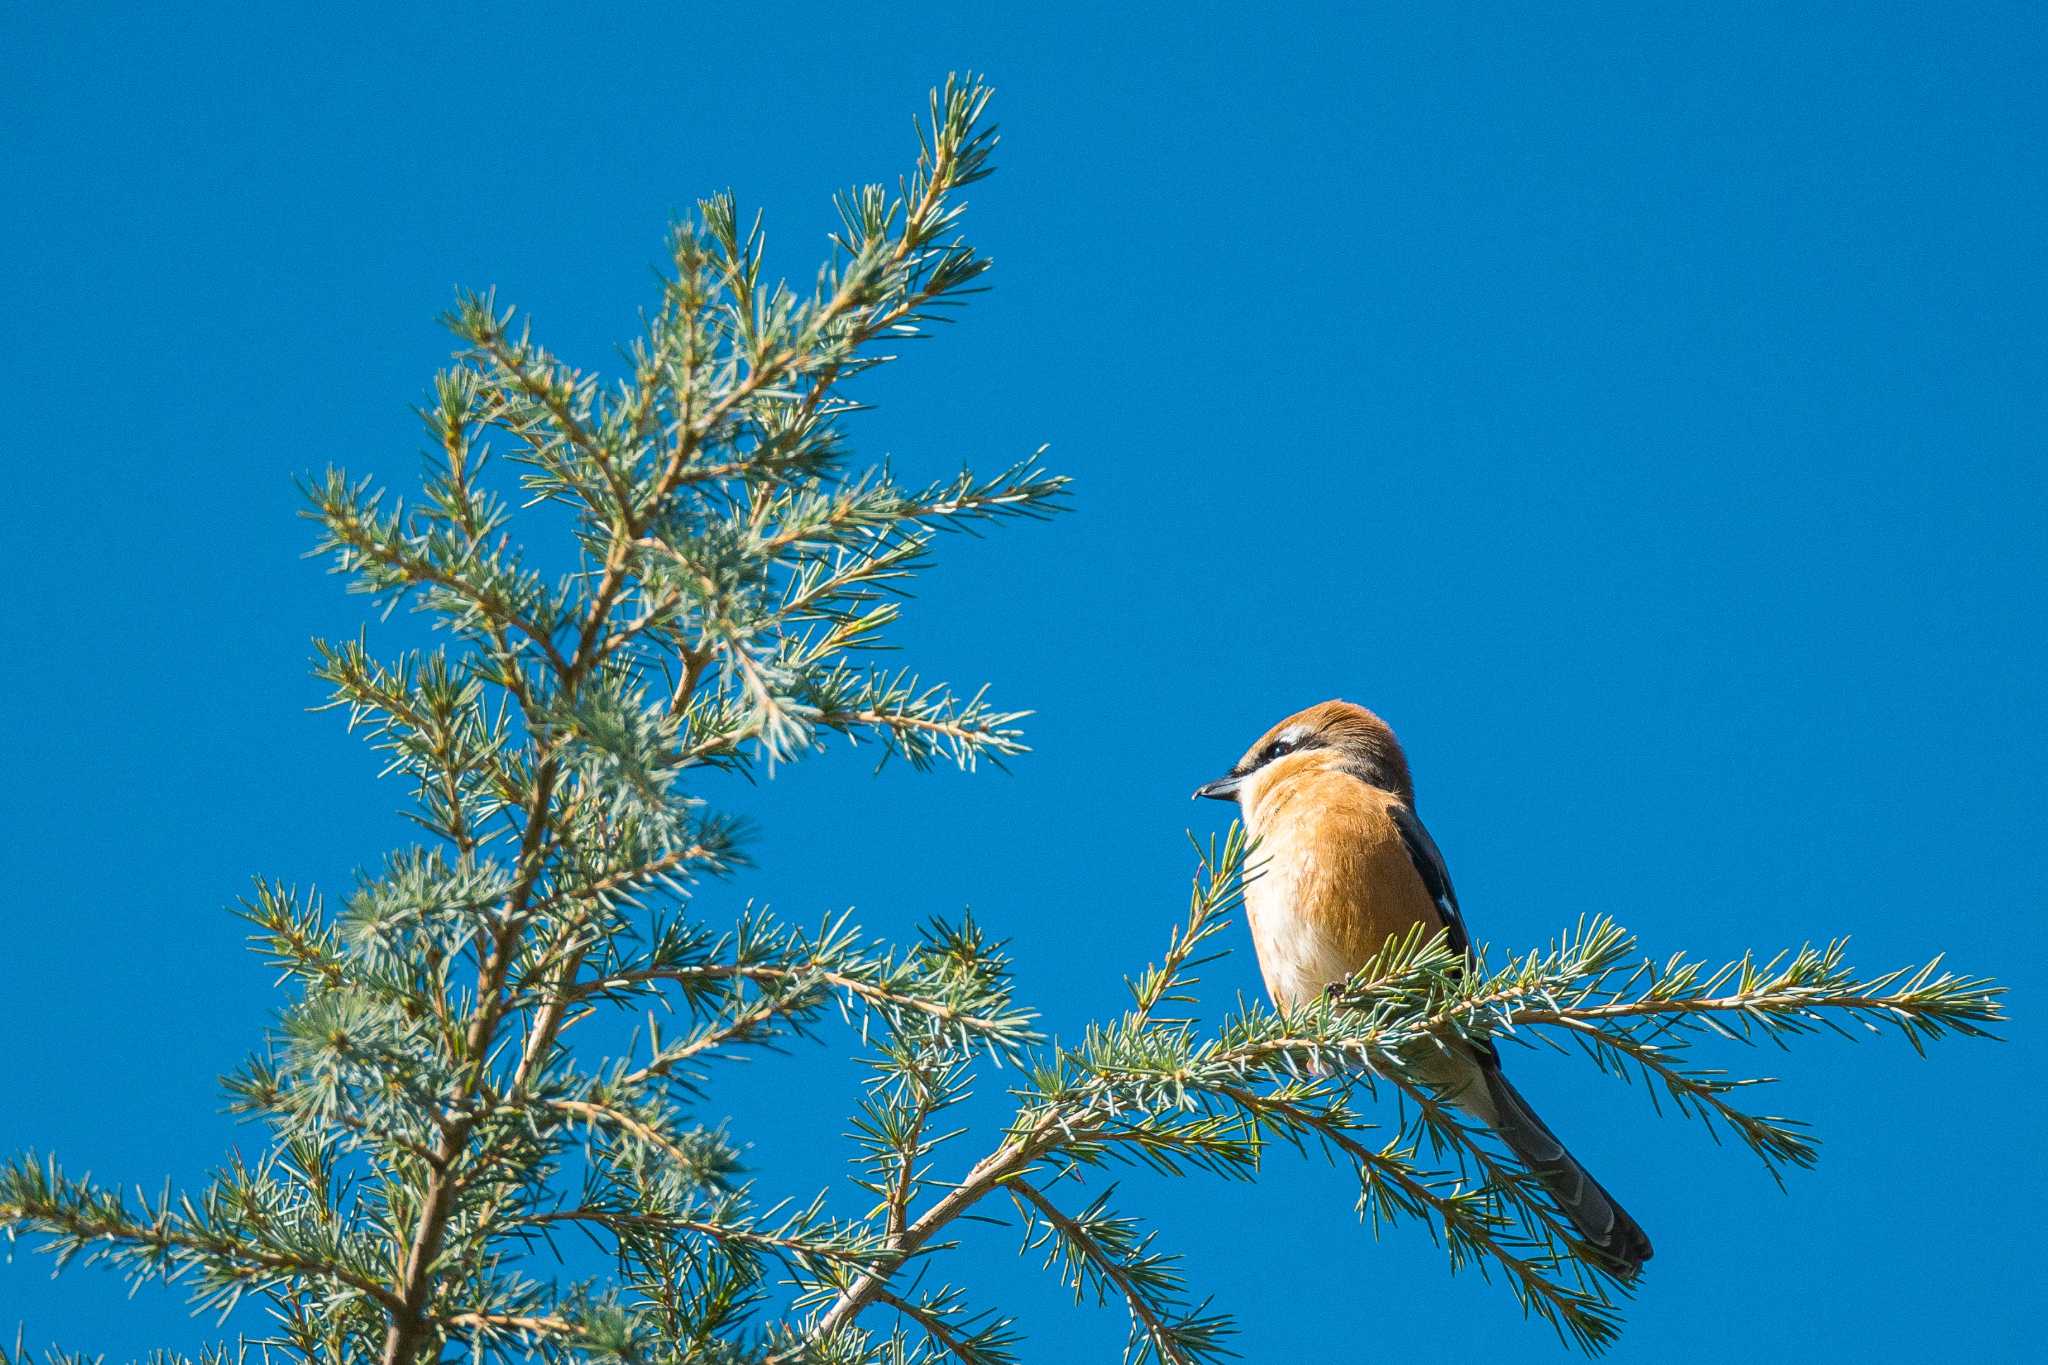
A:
(430, 1122)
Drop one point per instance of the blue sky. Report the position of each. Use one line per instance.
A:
(1643, 412)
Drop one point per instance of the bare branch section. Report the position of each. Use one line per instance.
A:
(440, 1116)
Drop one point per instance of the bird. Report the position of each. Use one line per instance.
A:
(1347, 866)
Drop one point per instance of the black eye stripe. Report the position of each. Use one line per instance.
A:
(1277, 749)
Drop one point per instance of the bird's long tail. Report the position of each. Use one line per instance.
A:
(1592, 1210)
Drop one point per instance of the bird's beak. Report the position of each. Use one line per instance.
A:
(1222, 789)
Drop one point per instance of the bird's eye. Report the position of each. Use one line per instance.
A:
(1277, 748)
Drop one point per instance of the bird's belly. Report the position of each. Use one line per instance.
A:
(1300, 952)
(1329, 894)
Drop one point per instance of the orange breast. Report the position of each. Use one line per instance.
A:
(1336, 883)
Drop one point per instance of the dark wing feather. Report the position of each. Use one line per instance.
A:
(1436, 878)
(1615, 1237)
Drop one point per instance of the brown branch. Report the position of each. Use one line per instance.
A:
(58, 1222)
(425, 572)
(758, 1012)
(612, 1219)
(931, 1324)
(598, 1113)
(1528, 1275)
(513, 363)
(695, 662)
(1771, 1142)
(905, 1185)
(1107, 1265)
(1794, 1000)
(532, 1324)
(764, 973)
(612, 881)
(409, 1318)
(989, 1173)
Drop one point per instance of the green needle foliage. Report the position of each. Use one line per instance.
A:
(434, 1126)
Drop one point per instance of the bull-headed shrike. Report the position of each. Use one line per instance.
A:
(1347, 866)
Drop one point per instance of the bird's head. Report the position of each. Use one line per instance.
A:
(1335, 736)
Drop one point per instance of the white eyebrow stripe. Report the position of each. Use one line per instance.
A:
(1284, 742)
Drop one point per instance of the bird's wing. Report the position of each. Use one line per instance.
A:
(1436, 878)
(1599, 1219)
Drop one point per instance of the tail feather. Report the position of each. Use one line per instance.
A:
(1591, 1209)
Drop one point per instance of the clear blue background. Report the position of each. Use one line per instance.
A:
(1643, 412)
